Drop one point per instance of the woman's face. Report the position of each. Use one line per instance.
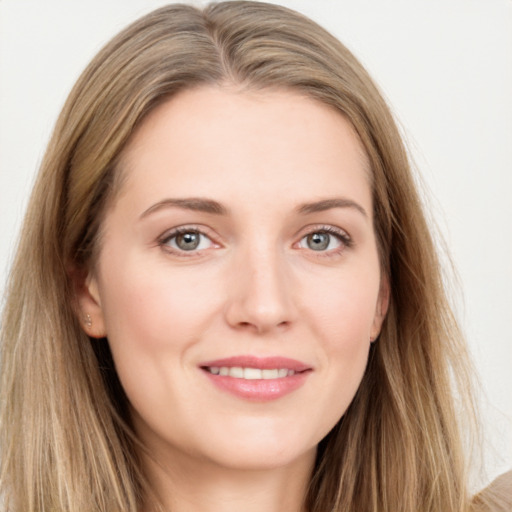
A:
(238, 280)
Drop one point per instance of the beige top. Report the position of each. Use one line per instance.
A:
(497, 497)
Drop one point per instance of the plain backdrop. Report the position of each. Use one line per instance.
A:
(445, 66)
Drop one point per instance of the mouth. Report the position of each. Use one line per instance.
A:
(238, 372)
(257, 379)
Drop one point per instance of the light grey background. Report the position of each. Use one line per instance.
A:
(444, 65)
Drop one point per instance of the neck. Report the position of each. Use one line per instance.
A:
(188, 485)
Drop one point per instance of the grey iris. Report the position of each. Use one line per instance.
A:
(188, 241)
(318, 241)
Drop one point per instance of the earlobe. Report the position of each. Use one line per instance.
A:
(88, 304)
(381, 308)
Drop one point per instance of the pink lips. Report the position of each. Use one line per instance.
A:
(258, 389)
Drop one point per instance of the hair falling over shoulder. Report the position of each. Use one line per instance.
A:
(66, 438)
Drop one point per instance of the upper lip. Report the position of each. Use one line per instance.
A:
(264, 363)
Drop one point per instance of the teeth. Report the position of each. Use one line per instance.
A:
(236, 372)
(270, 374)
(253, 373)
(250, 373)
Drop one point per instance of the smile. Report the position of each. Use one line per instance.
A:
(257, 379)
(238, 372)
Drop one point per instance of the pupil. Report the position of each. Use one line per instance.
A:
(187, 241)
(318, 241)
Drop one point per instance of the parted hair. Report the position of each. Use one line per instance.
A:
(66, 437)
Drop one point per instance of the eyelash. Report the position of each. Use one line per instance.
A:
(182, 230)
(344, 239)
(341, 235)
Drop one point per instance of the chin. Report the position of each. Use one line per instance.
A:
(261, 447)
(259, 457)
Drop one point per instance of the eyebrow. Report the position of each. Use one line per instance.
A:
(200, 204)
(197, 204)
(327, 204)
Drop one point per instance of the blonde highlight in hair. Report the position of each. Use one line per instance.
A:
(65, 433)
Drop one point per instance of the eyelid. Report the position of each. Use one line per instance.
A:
(186, 228)
(324, 228)
(342, 235)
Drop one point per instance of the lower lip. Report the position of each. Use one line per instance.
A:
(259, 390)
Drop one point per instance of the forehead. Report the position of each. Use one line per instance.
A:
(210, 138)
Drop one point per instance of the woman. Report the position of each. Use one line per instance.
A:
(235, 302)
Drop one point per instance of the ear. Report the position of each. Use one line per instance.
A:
(88, 303)
(381, 308)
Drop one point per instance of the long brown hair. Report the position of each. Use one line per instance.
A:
(65, 434)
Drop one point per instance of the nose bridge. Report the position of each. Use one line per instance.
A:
(261, 295)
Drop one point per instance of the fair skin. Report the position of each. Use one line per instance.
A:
(275, 265)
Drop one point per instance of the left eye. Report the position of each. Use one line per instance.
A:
(321, 241)
(189, 240)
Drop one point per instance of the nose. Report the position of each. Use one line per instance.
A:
(261, 298)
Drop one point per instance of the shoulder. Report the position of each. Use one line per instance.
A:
(497, 497)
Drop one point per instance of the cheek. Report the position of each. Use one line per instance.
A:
(154, 318)
(152, 311)
(343, 306)
(342, 316)
(151, 297)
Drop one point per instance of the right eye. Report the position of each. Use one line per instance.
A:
(187, 240)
